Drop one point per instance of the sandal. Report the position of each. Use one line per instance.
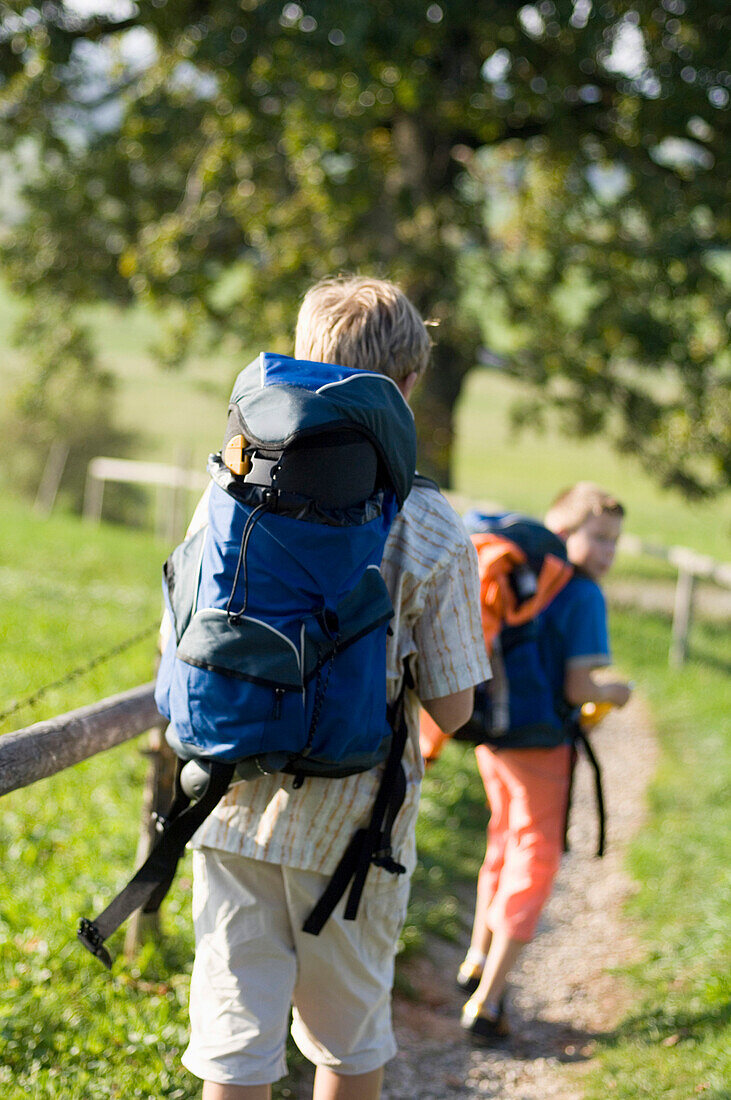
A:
(485, 1027)
(467, 985)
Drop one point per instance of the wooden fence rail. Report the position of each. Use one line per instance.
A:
(45, 748)
(177, 480)
(691, 568)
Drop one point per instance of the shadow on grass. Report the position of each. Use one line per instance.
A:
(668, 1028)
(704, 656)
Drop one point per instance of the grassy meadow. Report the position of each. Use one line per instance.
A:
(179, 416)
(70, 591)
(676, 1041)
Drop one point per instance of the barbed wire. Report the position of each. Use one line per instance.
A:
(35, 696)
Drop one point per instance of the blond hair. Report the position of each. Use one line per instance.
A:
(368, 324)
(575, 505)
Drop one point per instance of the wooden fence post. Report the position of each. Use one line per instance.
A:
(93, 497)
(682, 617)
(58, 452)
(158, 796)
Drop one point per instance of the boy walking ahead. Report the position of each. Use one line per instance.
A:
(265, 855)
(527, 788)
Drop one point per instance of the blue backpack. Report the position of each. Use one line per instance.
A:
(523, 566)
(277, 656)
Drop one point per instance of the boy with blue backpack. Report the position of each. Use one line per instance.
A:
(526, 771)
(265, 858)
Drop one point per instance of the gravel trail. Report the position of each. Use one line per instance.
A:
(563, 994)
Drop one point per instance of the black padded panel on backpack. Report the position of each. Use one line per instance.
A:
(336, 468)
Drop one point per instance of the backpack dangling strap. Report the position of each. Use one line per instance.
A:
(147, 888)
(584, 740)
(579, 737)
(569, 796)
(372, 844)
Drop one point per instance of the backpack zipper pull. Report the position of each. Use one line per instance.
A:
(278, 696)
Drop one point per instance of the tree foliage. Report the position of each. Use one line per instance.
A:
(548, 179)
(66, 398)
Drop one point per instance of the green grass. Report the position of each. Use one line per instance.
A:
(451, 844)
(177, 415)
(69, 592)
(68, 1030)
(676, 1042)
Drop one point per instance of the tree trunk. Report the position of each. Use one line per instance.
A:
(433, 403)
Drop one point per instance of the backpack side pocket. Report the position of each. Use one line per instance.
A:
(240, 687)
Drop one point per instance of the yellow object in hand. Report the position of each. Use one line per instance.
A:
(592, 714)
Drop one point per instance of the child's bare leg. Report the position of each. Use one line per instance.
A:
(481, 934)
(213, 1091)
(501, 957)
(337, 1086)
(474, 962)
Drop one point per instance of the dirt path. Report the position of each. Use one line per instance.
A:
(563, 995)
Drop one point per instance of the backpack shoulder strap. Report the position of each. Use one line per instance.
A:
(373, 843)
(425, 482)
(147, 888)
(579, 738)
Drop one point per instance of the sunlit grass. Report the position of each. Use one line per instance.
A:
(71, 592)
(676, 1042)
(68, 1030)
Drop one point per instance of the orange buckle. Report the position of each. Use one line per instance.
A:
(234, 456)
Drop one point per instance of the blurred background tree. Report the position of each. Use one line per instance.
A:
(64, 402)
(547, 183)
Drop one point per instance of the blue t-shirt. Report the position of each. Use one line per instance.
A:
(573, 630)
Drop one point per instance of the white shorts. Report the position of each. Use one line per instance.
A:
(253, 962)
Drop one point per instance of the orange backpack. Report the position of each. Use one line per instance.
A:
(522, 566)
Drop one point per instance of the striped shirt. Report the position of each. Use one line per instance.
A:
(430, 569)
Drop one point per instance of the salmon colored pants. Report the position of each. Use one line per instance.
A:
(527, 791)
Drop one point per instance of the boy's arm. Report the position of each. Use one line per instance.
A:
(450, 712)
(584, 629)
(580, 686)
(448, 638)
